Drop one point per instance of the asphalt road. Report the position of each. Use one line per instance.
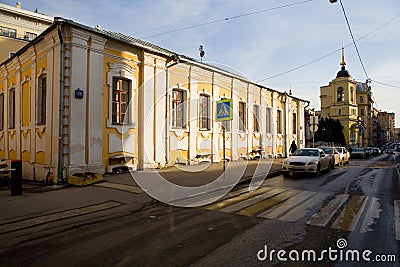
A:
(296, 221)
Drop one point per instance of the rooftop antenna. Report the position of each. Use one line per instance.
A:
(202, 53)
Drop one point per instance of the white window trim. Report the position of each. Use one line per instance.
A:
(210, 120)
(268, 124)
(124, 71)
(258, 118)
(246, 121)
(179, 130)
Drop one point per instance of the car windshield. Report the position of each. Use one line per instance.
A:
(327, 150)
(358, 149)
(306, 152)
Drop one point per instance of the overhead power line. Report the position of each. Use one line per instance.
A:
(352, 37)
(228, 18)
(394, 86)
(331, 53)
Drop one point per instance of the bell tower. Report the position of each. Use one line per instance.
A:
(339, 101)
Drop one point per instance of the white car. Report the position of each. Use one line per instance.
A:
(307, 160)
(344, 155)
(333, 153)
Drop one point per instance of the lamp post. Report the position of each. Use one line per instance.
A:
(322, 141)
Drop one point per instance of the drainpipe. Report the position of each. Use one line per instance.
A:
(60, 178)
(285, 133)
(175, 58)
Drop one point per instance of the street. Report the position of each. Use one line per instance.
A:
(348, 216)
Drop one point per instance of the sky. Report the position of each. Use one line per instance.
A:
(281, 44)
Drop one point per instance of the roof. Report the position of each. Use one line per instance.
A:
(147, 46)
(26, 13)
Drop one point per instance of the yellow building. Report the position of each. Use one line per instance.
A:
(351, 103)
(80, 99)
(18, 27)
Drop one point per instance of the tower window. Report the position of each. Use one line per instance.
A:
(340, 94)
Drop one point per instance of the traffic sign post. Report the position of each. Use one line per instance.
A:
(224, 113)
(313, 127)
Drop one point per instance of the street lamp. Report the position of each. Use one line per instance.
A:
(322, 139)
(332, 1)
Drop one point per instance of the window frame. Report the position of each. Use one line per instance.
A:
(120, 117)
(242, 116)
(279, 128)
(11, 108)
(2, 112)
(178, 106)
(340, 94)
(204, 112)
(294, 122)
(41, 100)
(256, 118)
(268, 115)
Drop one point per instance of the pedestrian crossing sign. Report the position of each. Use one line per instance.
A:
(224, 110)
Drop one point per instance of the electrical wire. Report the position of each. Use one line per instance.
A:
(352, 37)
(394, 86)
(331, 53)
(228, 18)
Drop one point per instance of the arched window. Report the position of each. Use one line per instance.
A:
(340, 94)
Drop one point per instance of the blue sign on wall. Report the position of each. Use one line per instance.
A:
(79, 94)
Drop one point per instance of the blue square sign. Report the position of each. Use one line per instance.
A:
(224, 110)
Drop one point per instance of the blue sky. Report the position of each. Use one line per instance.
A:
(265, 44)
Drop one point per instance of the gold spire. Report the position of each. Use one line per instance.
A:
(343, 63)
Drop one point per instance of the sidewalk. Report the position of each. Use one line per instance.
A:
(204, 173)
(191, 175)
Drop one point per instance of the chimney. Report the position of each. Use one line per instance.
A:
(18, 5)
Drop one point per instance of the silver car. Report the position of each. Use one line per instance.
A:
(306, 160)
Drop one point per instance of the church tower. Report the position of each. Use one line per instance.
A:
(339, 101)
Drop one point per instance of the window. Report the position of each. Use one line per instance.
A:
(340, 94)
(352, 94)
(362, 112)
(120, 100)
(339, 112)
(256, 118)
(178, 109)
(30, 36)
(294, 123)
(11, 109)
(41, 101)
(1, 112)
(4, 31)
(268, 120)
(204, 112)
(362, 99)
(242, 116)
(279, 121)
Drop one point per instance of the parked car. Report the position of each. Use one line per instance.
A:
(358, 152)
(333, 153)
(344, 155)
(306, 160)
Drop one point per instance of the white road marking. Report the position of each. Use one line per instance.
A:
(301, 210)
(287, 205)
(323, 217)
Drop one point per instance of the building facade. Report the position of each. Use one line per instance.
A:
(120, 98)
(18, 27)
(351, 103)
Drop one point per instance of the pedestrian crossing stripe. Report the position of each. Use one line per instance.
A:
(343, 212)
